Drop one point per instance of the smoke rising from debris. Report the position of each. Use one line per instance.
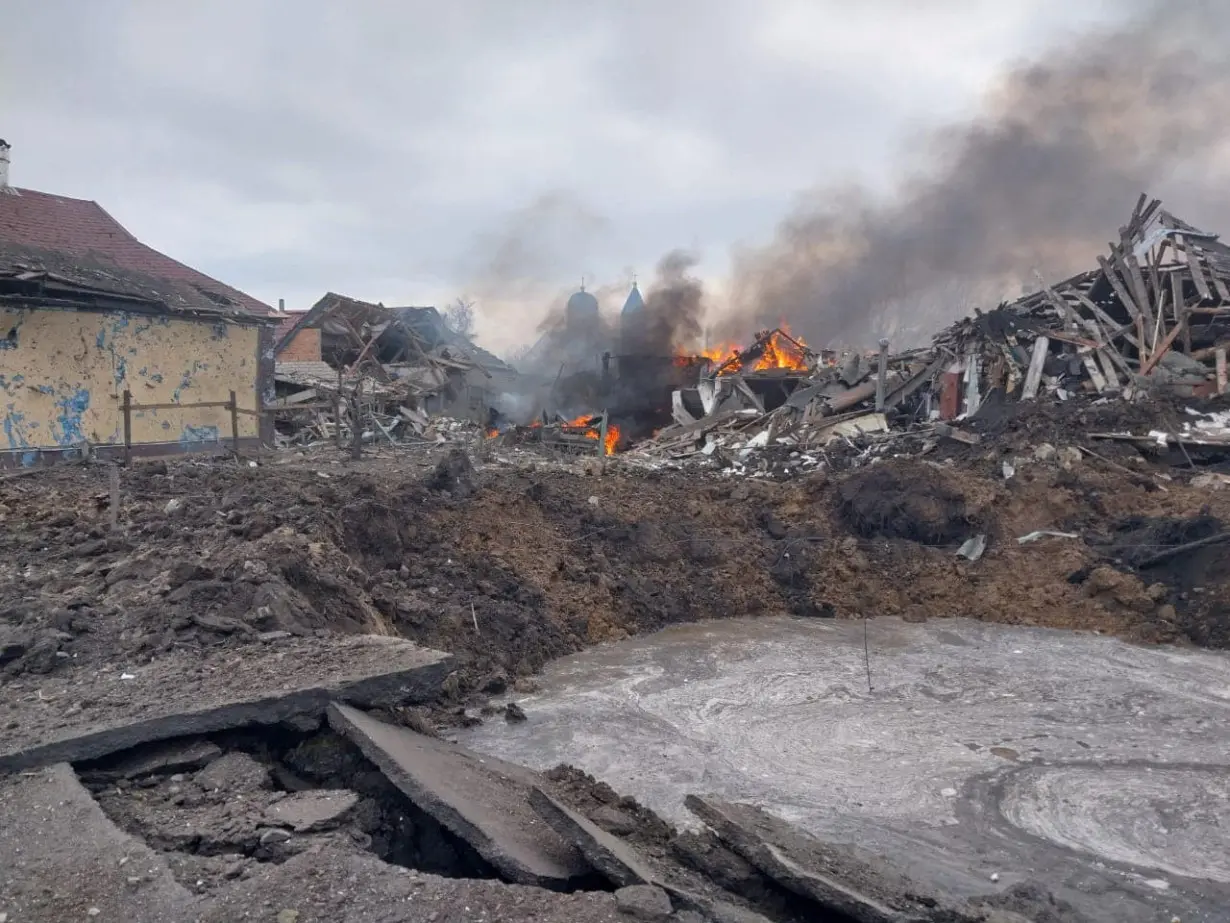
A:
(1040, 182)
(674, 305)
(522, 260)
(552, 234)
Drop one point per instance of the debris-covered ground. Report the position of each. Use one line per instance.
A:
(512, 560)
(508, 566)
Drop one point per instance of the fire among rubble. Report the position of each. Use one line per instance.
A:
(584, 424)
(771, 349)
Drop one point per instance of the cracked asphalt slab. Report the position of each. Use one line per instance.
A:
(62, 859)
(980, 757)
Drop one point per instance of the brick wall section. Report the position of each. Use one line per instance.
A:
(305, 347)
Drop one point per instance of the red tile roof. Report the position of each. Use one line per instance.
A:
(80, 228)
(289, 321)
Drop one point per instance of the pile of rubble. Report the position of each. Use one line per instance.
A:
(1153, 319)
(381, 371)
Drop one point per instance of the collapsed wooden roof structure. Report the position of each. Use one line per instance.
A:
(387, 359)
(1155, 314)
(1155, 311)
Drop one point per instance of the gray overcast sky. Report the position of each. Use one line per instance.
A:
(410, 151)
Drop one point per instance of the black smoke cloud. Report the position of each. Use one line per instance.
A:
(674, 305)
(1038, 183)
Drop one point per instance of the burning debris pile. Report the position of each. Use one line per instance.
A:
(1153, 319)
(379, 373)
(586, 434)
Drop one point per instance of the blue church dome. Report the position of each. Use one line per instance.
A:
(582, 304)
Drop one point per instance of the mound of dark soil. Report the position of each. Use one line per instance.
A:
(454, 475)
(1199, 577)
(915, 502)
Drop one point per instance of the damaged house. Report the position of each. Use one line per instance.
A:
(390, 366)
(108, 346)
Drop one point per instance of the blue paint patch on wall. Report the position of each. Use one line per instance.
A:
(156, 378)
(101, 340)
(121, 371)
(14, 428)
(8, 384)
(185, 382)
(220, 332)
(72, 408)
(45, 389)
(195, 435)
(29, 459)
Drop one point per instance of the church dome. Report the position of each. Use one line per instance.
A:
(582, 304)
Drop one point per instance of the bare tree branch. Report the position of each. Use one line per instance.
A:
(460, 317)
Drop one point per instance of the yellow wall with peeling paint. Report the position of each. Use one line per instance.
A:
(63, 375)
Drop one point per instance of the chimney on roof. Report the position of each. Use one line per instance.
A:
(4, 165)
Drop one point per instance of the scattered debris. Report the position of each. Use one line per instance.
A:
(199, 641)
(1153, 317)
(1043, 533)
(379, 371)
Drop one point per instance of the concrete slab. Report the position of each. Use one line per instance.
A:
(307, 812)
(611, 856)
(62, 859)
(480, 799)
(161, 758)
(626, 867)
(73, 719)
(838, 879)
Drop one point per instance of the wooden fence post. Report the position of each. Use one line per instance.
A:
(234, 408)
(127, 426)
(882, 375)
(356, 427)
(115, 496)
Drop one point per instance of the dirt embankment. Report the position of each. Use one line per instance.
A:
(509, 568)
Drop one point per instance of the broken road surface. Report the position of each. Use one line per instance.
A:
(482, 800)
(182, 694)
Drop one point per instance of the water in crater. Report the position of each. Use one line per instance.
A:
(958, 749)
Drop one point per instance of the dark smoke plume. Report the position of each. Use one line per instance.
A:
(551, 235)
(673, 307)
(1039, 183)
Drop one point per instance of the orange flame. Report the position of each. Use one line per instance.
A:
(778, 352)
(492, 433)
(591, 432)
